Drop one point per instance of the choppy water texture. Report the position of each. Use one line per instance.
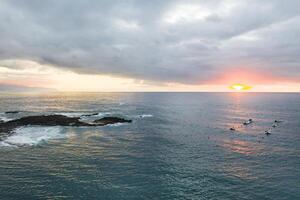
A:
(179, 146)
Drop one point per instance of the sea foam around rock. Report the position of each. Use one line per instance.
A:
(32, 135)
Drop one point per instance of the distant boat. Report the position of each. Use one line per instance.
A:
(268, 132)
(248, 122)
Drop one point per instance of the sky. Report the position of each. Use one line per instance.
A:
(142, 45)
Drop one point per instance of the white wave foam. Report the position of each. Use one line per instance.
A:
(91, 118)
(116, 124)
(70, 114)
(6, 119)
(82, 114)
(32, 135)
(4, 144)
(103, 114)
(145, 115)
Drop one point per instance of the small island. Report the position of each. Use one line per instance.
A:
(6, 128)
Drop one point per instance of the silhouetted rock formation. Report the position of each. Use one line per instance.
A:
(12, 112)
(6, 128)
(111, 120)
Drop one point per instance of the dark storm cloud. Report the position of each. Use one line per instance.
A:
(181, 41)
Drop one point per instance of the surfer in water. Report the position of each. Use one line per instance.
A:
(268, 132)
(248, 122)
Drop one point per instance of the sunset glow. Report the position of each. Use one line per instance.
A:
(27, 73)
(240, 87)
(176, 46)
(167, 99)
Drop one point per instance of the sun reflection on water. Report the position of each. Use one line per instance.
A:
(242, 147)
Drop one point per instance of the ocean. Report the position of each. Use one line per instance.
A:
(179, 146)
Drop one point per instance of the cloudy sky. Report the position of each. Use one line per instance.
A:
(143, 45)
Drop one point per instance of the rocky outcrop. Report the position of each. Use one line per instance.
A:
(89, 115)
(12, 112)
(6, 128)
(47, 120)
(111, 120)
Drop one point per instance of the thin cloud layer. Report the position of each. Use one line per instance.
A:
(188, 42)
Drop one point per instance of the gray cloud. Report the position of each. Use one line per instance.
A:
(178, 41)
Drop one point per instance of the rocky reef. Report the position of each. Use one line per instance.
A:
(89, 115)
(12, 112)
(111, 120)
(6, 128)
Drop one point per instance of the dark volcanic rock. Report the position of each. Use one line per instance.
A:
(89, 115)
(12, 112)
(111, 120)
(48, 120)
(6, 128)
(43, 120)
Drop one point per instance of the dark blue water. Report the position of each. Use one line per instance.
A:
(179, 146)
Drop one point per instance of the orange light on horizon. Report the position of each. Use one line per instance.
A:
(240, 87)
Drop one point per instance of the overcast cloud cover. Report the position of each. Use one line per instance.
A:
(159, 40)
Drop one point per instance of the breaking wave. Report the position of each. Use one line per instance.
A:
(116, 124)
(32, 135)
(5, 119)
(70, 114)
(145, 116)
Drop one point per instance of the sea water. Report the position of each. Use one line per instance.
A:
(178, 146)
